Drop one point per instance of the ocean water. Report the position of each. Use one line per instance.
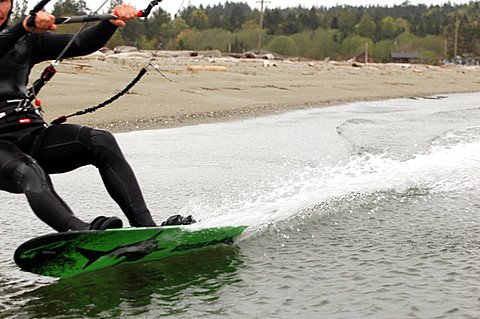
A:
(364, 210)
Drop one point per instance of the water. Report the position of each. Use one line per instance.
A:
(366, 210)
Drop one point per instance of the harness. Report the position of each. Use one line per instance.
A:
(18, 112)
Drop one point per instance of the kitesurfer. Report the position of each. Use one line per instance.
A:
(31, 150)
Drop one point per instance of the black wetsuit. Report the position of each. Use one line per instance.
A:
(30, 150)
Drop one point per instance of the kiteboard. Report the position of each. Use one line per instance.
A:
(68, 254)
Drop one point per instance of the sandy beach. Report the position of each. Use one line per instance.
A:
(204, 89)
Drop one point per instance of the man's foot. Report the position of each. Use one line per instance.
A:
(179, 220)
(102, 223)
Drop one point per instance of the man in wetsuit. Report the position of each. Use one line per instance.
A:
(30, 150)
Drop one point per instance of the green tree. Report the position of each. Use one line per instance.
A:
(171, 30)
(113, 4)
(212, 39)
(183, 39)
(273, 18)
(115, 40)
(383, 49)
(391, 27)
(366, 27)
(346, 23)
(245, 39)
(198, 20)
(406, 42)
(19, 10)
(205, 39)
(69, 7)
(216, 16)
(429, 57)
(132, 32)
(467, 18)
(319, 44)
(303, 41)
(236, 17)
(154, 24)
(316, 32)
(324, 44)
(354, 45)
(147, 44)
(283, 45)
(432, 43)
(291, 24)
(309, 20)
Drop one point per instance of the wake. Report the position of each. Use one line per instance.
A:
(446, 169)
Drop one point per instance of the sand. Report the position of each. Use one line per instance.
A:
(202, 89)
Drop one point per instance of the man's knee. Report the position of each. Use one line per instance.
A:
(104, 144)
(21, 176)
(102, 138)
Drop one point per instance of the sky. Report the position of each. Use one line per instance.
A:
(173, 6)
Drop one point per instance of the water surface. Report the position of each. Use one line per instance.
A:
(365, 210)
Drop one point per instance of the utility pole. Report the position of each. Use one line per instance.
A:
(457, 26)
(260, 36)
(445, 48)
(366, 53)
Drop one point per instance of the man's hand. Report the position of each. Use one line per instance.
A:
(124, 12)
(43, 22)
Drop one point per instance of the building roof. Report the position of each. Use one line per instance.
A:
(404, 55)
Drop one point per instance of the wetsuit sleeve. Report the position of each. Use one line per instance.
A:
(9, 37)
(47, 46)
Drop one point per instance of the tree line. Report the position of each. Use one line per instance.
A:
(436, 32)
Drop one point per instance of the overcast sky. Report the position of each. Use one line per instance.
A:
(172, 6)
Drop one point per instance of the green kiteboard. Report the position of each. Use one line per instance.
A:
(71, 253)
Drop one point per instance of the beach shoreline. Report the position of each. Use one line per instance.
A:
(195, 90)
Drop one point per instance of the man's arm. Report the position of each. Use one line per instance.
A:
(47, 46)
(9, 37)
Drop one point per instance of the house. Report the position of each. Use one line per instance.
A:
(361, 58)
(404, 57)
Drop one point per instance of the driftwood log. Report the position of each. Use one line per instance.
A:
(216, 68)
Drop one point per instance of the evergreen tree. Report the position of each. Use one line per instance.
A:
(309, 20)
(272, 20)
(70, 7)
(19, 10)
(113, 4)
(198, 20)
(291, 24)
(317, 32)
(236, 17)
(366, 27)
(346, 22)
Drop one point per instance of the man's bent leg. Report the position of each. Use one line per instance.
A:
(19, 173)
(119, 178)
(66, 147)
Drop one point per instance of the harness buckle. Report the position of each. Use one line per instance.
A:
(23, 105)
